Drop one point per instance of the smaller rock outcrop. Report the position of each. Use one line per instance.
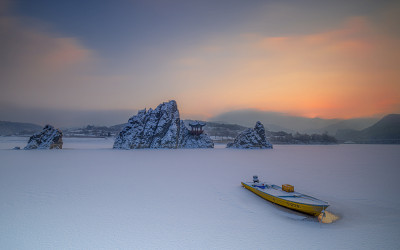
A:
(190, 140)
(251, 138)
(48, 138)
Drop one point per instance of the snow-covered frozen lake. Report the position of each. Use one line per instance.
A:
(89, 196)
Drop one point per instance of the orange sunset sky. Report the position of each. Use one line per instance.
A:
(305, 58)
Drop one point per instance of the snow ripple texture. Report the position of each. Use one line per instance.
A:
(159, 128)
(251, 138)
(48, 138)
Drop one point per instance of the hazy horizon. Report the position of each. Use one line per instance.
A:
(246, 117)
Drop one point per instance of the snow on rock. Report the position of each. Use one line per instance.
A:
(188, 140)
(48, 138)
(251, 138)
(159, 128)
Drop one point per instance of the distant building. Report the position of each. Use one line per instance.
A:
(197, 127)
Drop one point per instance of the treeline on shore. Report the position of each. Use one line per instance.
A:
(282, 137)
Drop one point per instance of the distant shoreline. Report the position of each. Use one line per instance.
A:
(369, 142)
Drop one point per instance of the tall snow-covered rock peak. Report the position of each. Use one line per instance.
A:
(251, 138)
(158, 128)
(48, 138)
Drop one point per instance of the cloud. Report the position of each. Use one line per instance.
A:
(41, 69)
(28, 48)
(35, 60)
(275, 62)
(351, 70)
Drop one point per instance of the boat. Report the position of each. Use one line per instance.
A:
(286, 197)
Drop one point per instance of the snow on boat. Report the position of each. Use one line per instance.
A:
(286, 197)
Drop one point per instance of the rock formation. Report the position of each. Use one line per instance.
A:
(251, 138)
(187, 140)
(48, 138)
(159, 128)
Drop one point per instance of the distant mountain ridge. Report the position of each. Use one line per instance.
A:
(18, 128)
(386, 130)
(274, 121)
(354, 124)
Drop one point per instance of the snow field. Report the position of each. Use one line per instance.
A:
(88, 196)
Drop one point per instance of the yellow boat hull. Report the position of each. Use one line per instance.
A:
(314, 210)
